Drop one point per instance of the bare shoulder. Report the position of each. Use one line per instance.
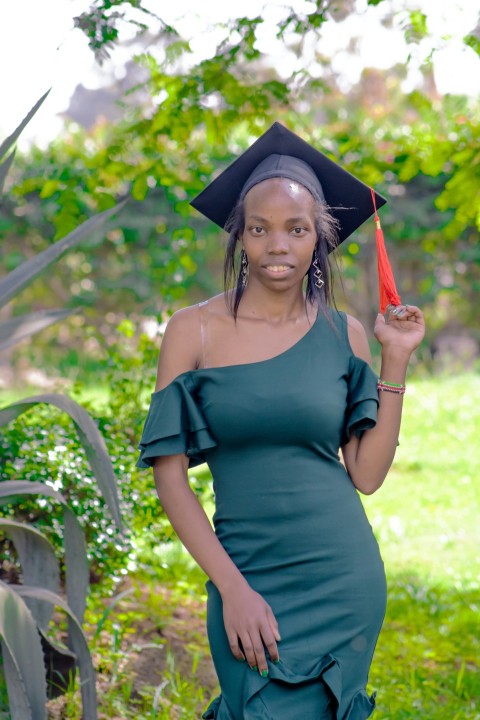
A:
(358, 339)
(180, 350)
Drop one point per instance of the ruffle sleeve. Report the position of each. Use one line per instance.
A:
(362, 399)
(175, 424)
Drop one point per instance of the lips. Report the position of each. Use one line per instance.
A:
(277, 269)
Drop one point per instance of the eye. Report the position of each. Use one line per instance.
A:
(256, 230)
(299, 230)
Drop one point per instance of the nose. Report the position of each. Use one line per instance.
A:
(278, 243)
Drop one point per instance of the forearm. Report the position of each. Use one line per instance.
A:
(376, 448)
(193, 528)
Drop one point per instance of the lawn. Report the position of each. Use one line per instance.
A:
(427, 663)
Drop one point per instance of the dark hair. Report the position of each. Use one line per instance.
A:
(326, 227)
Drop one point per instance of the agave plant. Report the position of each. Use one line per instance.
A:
(26, 609)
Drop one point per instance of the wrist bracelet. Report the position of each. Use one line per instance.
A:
(396, 388)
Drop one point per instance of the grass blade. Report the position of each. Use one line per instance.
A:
(109, 609)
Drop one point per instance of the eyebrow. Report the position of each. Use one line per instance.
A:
(297, 218)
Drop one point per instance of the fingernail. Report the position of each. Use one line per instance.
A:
(264, 673)
(240, 659)
(253, 667)
(276, 661)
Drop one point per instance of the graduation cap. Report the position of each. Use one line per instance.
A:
(281, 153)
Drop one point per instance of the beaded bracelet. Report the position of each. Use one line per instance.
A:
(391, 387)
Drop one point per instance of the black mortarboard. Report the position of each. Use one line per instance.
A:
(349, 199)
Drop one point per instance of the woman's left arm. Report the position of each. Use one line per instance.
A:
(369, 458)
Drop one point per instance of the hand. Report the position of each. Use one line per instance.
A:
(250, 625)
(404, 329)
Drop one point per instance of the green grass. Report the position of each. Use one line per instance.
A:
(426, 514)
(426, 518)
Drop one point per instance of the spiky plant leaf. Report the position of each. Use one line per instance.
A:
(90, 438)
(39, 564)
(19, 328)
(76, 565)
(23, 275)
(23, 658)
(12, 139)
(75, 554)
(78, 643)
(18, 704)
(4, 169)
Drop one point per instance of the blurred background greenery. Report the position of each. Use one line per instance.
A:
(165, 131)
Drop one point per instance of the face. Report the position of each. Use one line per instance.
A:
(279, 236)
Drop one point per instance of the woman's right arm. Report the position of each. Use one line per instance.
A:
(246, 615)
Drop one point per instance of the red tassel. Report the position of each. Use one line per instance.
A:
(386, 282)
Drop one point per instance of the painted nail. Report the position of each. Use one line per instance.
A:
(276, 661)
(264, 673)
(240, 659)
(253, 667)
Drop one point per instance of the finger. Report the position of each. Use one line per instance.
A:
(248, 651)
(416, 312)
(260, 657)
(273, 624)
(269, 641)
(234, 646)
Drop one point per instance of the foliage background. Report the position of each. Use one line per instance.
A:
(181, 121)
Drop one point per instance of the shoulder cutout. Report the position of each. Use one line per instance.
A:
(180, 350)
(358, 339)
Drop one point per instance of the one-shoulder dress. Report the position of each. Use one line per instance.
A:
(289, 516)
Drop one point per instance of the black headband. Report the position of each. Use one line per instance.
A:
(285, 166)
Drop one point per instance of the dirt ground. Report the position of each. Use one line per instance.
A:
(157, 637)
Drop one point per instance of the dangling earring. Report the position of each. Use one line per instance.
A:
(317, 274)
(244, 272)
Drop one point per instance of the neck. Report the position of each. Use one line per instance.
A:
(273, 306)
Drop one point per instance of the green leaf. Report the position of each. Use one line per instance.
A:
(22, 276)
(416, 26)
(38, 561)
(49, 188)
(12, 139)
(16, 330)
(75, 553)
(471, 41)
(140, 188)
(78, 643)
(24, 669)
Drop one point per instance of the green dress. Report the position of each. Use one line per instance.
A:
(289, 516)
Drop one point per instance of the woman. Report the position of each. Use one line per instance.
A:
(265, 383)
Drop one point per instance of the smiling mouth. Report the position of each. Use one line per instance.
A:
(278, 268)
